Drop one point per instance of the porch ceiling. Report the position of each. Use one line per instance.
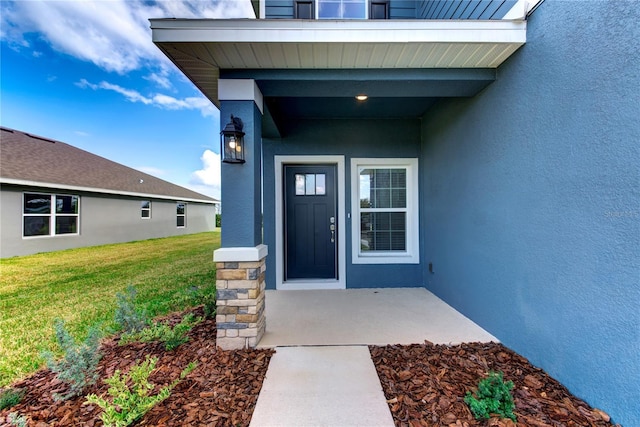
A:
(315, 68)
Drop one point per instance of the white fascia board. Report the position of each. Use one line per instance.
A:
(521, 9)
(263, 9)
(240, 90)
(54, 186)
(321, 31)
(248, 254)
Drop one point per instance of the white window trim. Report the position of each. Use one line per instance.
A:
(367, 5)
(412, 254)
(324, 284)
(181, 215)
(52, 216)
(145, 209)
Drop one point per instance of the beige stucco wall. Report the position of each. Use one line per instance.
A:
(103, 219)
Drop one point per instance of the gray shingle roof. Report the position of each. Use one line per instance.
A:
(30, 159)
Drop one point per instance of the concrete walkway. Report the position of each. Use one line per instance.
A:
(322, 373)
(322, 386)
(364, 316)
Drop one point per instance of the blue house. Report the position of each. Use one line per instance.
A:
(486, 150)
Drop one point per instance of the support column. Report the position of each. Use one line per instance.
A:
(240, 262)
(240, 286)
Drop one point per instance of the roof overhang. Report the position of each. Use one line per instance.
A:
(107, 191)
(201, 48)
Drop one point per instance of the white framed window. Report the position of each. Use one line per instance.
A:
(342, 9)
(384, 206)
(181, 214)
(145, 209)
(50, 214)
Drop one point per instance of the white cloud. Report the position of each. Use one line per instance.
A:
(81, 133)
(166, 102)
(114, 35)
(207, 179)
(161, 79)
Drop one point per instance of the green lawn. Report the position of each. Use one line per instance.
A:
(79, 286)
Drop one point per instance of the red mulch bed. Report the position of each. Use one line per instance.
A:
(425, 386)
(221, 391)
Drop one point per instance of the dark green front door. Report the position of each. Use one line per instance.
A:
(311, 232)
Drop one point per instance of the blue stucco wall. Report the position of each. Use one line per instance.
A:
(241, 183)
(351, 138)
(533, 190)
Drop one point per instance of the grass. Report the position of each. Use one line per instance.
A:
(80, 285)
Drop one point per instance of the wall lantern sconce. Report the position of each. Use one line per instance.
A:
(232, 141)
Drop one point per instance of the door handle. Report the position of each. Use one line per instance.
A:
(332, 227)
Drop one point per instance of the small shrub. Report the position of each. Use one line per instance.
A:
(493, 398)
(171, 337)
(200, 295)
(218, 220)
(10, 397)
(17, 420)
(127, 317)
(77, 368)
(129, 403)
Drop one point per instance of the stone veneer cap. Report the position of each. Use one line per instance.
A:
(248, 254)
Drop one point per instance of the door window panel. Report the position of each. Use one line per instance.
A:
(310, 184)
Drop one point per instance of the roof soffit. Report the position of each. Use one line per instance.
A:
(202, 48)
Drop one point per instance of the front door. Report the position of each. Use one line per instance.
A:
(310, 222)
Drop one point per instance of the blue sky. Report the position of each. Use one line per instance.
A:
(86, 73)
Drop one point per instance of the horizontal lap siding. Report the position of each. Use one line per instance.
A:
(410, 9)
(464, 9)
(402, 9)
(279, 9)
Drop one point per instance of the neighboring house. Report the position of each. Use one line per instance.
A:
(495, 162)
(54, 196)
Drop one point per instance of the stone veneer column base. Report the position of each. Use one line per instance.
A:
(240, 285)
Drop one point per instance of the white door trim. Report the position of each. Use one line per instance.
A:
(297, 284)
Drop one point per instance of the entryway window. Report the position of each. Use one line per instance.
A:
(385, 211)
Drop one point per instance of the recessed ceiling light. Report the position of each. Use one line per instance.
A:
(362, 97)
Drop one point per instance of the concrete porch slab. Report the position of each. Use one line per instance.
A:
(321, 386)
(364, 317)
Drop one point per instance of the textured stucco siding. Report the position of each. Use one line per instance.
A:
(352, 139)
(103, 220)
(533, 191)
(241, 184)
